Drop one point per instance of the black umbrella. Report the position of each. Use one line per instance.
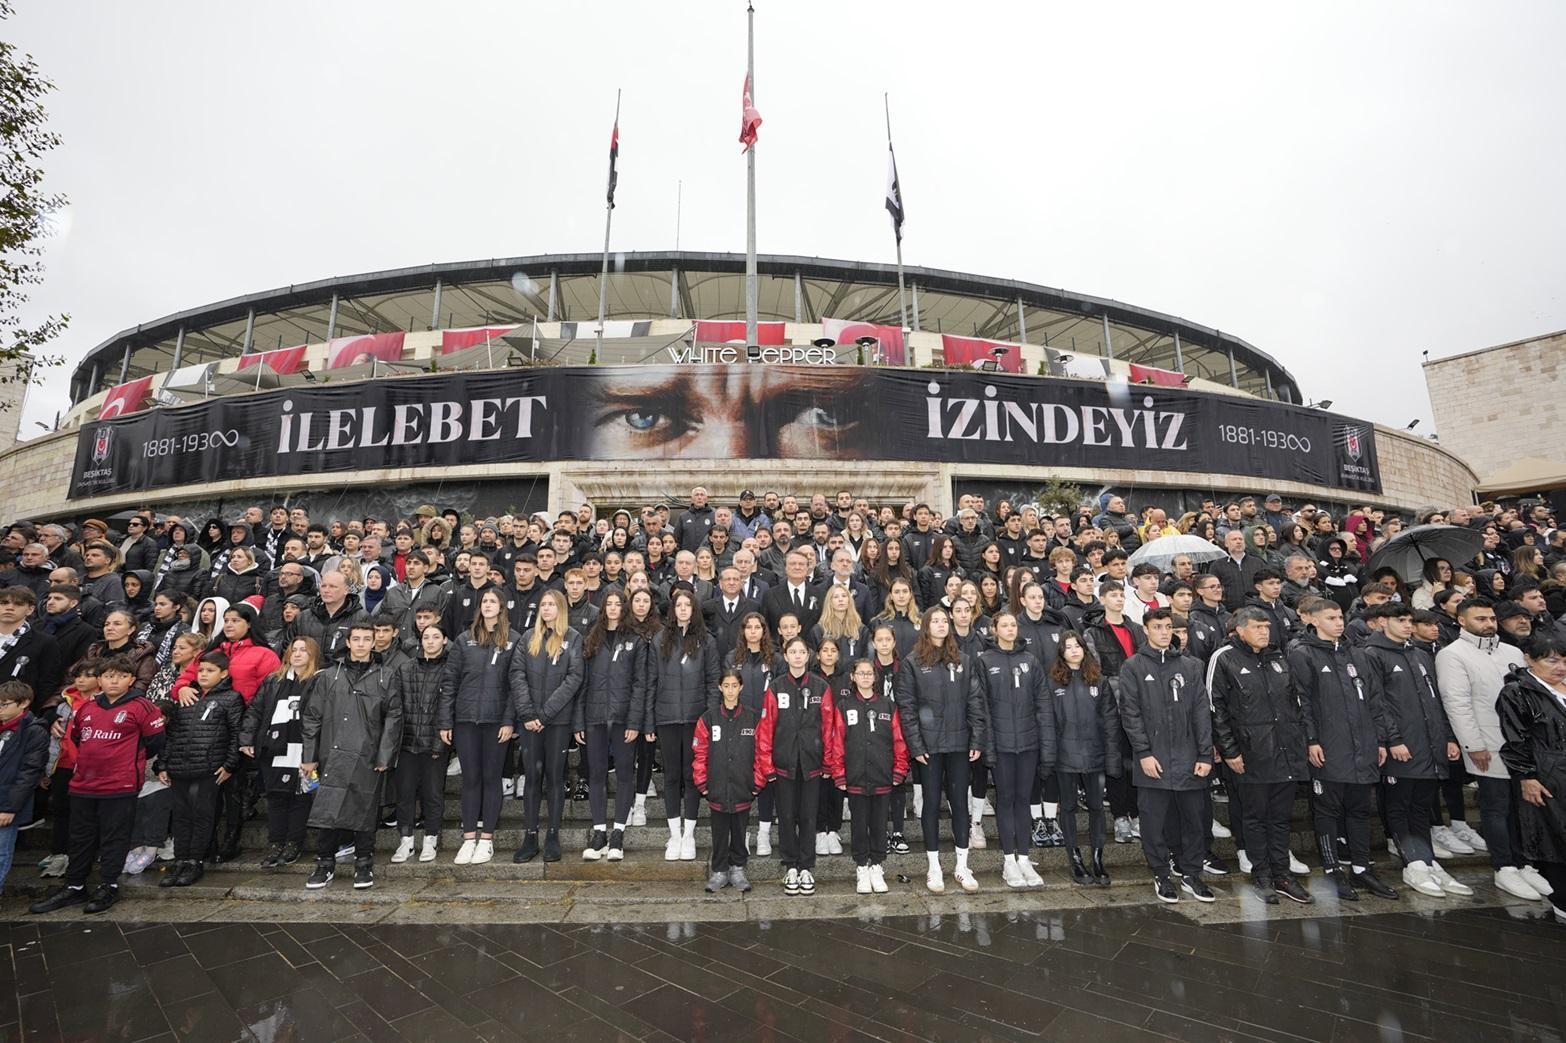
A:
(1408, 551)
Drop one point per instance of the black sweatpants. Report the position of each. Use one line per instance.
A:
(603, 742)
(646, 758)
(867, 827)
(797, 799)
(329, 840)
(944, 773)
(1014, 775)
(1498, 800)
(100, 829)
(483, 757)
(421, 791)
(680, 798)
(195, 814)
(287, 815)
(829, 808)
(1268, 809)
(1231, 786)
(60, 811)
(1156, 807)
(1350, 803)
(979, 779)
(728, 840)
(1450, 793)
(1408, 815)
(897, 805)
(1092, 783)
(544, 757)
(1123, 801)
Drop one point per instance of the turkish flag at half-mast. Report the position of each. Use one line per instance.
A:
(750, 119)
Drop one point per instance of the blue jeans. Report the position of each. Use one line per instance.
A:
(7, 849)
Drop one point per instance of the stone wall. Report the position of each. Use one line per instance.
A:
(1491, 405)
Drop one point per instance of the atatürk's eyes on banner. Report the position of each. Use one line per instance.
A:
(722, 412)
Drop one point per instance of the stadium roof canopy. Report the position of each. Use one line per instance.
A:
(673, 284)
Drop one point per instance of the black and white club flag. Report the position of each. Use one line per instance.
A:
(894, 193)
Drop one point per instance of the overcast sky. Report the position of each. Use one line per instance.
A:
(1343, 185)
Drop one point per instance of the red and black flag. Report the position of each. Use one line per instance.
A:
(614, 155)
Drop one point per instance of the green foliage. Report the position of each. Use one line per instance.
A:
(25, 210)
(592, 358)
(1058, 496)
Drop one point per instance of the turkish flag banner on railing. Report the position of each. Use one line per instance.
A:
(456, 340)
(961, 351)
(126, 398)
(1164, 378)
(767, 333)
(357, 351)
(889, 339)
(283, 361)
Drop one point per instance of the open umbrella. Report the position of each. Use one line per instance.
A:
(1164, 550)
(1408, 551)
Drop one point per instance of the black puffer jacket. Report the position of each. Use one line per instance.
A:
(1042, 635)
(614, 683)
(1087, 725)
(1416, 716)
(681, 687)
(1207, 630)
(942, 707)
(1104, 646)
(270, 731)
(418, 681)
(476, 685)
(1347, 705)
(203, 736)
(1258, 713)
(544, 687)
(1017, 711)
(969, 546)
(756, 674)
(235, 587)
(330, 629)
(905, 629)
(1165, 712)
(931, 586)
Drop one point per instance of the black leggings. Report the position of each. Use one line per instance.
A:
(604, 741)
(829, 810)
(680, 799)
(60, 811)
(646, 757)
(945, 773)
(1092, 783)
(482, 756)
(287, 816)
(544, 753)
(1014, 774)
(421, 785)
(979, 779)
(1122, 790)
(195, 813)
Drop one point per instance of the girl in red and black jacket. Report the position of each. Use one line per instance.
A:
(865, 755)
(830, 666)
(797, 717)
(731, 761)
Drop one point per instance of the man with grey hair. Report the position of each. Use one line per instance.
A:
(31, 570)
(695, 522)
(53, 538)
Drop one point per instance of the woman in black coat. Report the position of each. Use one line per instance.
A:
(682, 685)
(612, 714)
(1532, 708)
(271, 734)
(546, 680)
(420, 775)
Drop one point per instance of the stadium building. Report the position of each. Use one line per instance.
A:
(486, 386)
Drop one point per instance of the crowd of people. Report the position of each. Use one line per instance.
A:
(800, 662)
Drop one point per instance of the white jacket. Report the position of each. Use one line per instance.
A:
(1470, 672)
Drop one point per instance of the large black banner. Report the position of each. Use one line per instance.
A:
(702, 412)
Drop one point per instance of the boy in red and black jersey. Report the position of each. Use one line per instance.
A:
(114, 734)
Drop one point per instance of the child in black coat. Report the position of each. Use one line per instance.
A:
(200, 753)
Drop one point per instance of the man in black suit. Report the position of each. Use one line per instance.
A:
(753, 584)
(843, 575)
(794, 593)
(725, 611)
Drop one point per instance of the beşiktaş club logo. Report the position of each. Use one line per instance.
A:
(102, 445)
(1353, 441)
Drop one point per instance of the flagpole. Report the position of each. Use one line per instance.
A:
(603, 277)
(751, 338)
(902, 303)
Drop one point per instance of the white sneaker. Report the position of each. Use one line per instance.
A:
(508, 788)
(1221, 831)
(688, 848)
(791, 882)
(976, 832)
(166, 852)
(1533, 876)
(834, 844)
(935, 881)
(56, 865)
(638, 817)
(965, 879)
(987, 810)
(519, 785)
(763, 842)
(652, 789)
(1511, 881)
(1468, 835)
(1297, 867)
(862, 880)
(465, 852)
(483, 851)
(1136, 827)
(1448, 884)
(807, 882)
(404, 850)
(1011, 873)
(878, 880)
(1418, 877)
(453, 767)
(1029, 874)
(821, 844)
(1442, 836)
(428, 852)
(671, 850)
(1245, 862)
(1439, 849)
(918, 808)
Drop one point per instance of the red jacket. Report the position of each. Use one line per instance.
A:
(865, 752)
(248, 665)
(74, 699)
(732, 757)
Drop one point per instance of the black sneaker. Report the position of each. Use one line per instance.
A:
(273, 857)
(323, 874)
(171, 878)
(581, 792)
(59, 900)
(528, 851)
(389, 821)
(1193, 886)
(1164, 888)
(290, 854)
(552, 846)
(1053, 837)
(363, 874)
(1264, 891)
(190, 873)
(1215, 865)
(1373, 883)
(102, 899)
(1345, 887)
(1290, 888)
(1040, 833)
(897, 845)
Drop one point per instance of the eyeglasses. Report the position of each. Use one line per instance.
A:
(136, 522)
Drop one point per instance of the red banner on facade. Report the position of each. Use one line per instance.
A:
(282, 361)
(1165, 378)
(456, 340)
(358, 351)
(126, 398)
(961, 351)
(893, 351)
(767, 333)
